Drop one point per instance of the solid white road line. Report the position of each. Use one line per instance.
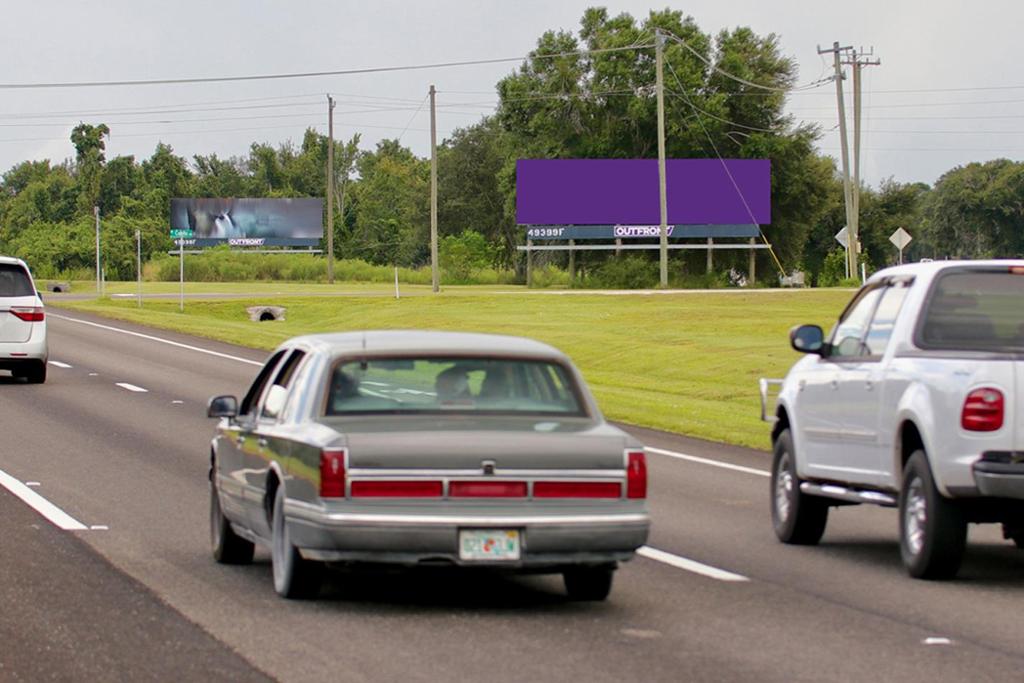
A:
(58, 364)
(708, 461)
(688, 565)
(159, 339)
(40, 504)
(131, 387)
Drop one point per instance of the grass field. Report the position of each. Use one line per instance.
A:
(682, 362)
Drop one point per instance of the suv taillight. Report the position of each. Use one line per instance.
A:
(636, 474)
(983, 410)
(332, 472)
(30, 314)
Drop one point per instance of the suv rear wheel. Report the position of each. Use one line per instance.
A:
(797, 518)
(933, 530)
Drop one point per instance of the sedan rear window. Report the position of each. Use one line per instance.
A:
(450, 384)
(14, 281)
(975, 310)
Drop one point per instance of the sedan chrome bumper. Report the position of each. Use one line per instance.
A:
(548, 540)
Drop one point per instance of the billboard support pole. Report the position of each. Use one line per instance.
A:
(138, 262)
(181, 275)
(330, 190)
(659, 51)
(96, 214)
(434, 279)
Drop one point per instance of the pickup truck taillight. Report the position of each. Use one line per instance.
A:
(30, 314)
(332, 472)
(636, 474)
(983, 410)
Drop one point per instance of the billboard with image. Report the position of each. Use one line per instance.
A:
(242, 222)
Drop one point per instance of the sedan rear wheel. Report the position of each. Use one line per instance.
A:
(294, 576)
(798, 519)
(589, 583)
(933, 530)
(228, 547)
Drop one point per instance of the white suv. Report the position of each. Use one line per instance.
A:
(23, 348)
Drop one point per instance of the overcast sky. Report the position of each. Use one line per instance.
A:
(948, 90)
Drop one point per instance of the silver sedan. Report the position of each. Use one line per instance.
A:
(424, 448)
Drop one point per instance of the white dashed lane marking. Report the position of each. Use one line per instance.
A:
(689, 565)
(132, 387)
(709, 461)
(40, 504)
(58, 364)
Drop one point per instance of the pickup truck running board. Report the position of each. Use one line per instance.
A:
(849, 495)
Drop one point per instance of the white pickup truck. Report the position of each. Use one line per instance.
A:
(915, 400)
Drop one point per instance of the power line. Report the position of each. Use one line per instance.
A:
(308, 74)
(807, 86)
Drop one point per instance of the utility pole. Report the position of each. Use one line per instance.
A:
(857, 62)
(659, 53)
(851, 238)
(138, 262)
(330, 190)
(96, 214)
(434, 279)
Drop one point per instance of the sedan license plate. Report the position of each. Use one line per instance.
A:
(489, 544)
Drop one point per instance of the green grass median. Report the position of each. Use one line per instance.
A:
(684, 362)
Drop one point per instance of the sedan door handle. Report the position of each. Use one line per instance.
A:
(869, 385)
(835, 384)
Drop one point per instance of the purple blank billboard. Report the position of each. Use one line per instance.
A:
(609, 191)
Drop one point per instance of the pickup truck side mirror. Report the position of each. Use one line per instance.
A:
(807, 339)
(222, 406)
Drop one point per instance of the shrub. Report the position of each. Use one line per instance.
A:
(631, 271)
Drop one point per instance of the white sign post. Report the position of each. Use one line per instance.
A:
(901, 238)
(843, 237)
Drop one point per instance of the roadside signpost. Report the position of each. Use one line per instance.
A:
(179, 235)
(843, 237)
(901, 238)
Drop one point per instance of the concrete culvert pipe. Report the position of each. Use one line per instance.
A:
(59, 287)
(265, 313)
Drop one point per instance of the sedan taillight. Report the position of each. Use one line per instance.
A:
(332, 472)
(30, 314)
(636, 474)
(983, 410)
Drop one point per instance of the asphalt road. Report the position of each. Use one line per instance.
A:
(139, 597)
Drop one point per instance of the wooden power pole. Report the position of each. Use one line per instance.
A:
(851, 238)
(435, 280)
(659, 52)
(330, 190)
(858, 62)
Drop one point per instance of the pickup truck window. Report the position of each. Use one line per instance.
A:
(848, 337)
(974, 310)
(885, 318)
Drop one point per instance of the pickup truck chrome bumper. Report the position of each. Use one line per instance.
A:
(548, 540)
(1000, 475)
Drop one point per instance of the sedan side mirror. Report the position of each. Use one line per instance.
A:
(807, 339)
(222, 406)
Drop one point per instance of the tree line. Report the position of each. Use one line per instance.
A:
(571, 98)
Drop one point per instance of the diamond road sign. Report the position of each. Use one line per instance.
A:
(900, 239)
(841, 237)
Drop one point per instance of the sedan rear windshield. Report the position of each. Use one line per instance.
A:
(452, 384)
(14, 281)
(975, 310)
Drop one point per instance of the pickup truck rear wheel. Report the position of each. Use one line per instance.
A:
(294, 576)
(933, 529)
(798, 519)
